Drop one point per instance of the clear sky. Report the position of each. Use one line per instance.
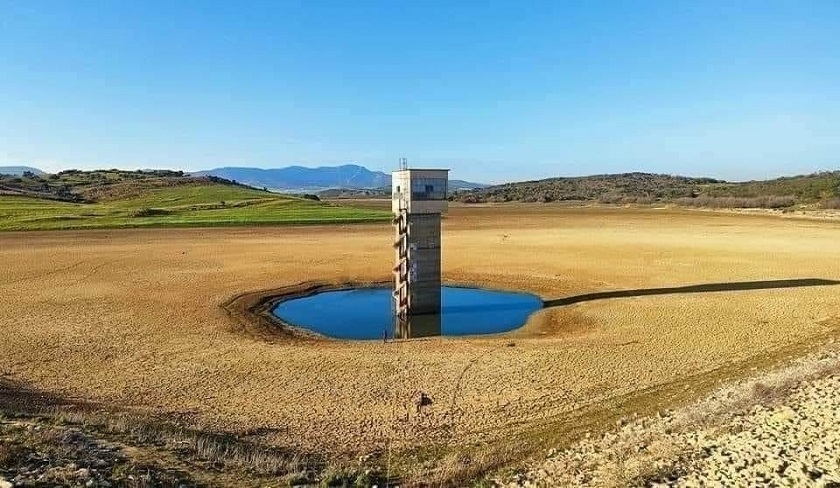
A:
(497, 91)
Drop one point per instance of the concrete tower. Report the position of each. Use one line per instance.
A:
(418, 200)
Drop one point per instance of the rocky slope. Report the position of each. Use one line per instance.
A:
(35, 452)
(782, 429)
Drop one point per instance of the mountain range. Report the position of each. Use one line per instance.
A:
(299, 178)
(19, 170)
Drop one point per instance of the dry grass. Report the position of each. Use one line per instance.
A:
(10, 453)
(132, 319)
(31, 421)
(219, 450)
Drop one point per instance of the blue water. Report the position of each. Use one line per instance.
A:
(366, 313)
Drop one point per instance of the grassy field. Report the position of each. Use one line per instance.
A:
(182, 206)
(131, 320)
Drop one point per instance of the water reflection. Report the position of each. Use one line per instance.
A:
(414, 326)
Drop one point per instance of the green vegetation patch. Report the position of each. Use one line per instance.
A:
(188, 206)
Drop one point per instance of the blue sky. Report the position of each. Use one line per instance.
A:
(497, 91)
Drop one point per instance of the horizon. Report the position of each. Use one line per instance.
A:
(497, 92)
(388, 171)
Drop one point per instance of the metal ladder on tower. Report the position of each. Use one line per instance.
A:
(401, 268)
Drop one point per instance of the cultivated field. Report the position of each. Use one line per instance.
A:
(132, 319)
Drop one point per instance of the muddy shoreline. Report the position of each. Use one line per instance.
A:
(253, 310)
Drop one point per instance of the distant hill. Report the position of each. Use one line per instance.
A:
(819, 188)
(19, 170)
(101, 185)
(300, 179)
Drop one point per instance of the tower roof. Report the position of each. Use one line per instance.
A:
(415, 170)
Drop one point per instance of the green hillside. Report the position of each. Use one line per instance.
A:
(114, 199)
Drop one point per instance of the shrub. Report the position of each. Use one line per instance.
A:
(149, 212)
(610, 198)
(773, 202)
(831, 203)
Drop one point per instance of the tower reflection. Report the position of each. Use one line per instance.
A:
(414, 326)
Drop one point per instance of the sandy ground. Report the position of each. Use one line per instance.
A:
(132, 318)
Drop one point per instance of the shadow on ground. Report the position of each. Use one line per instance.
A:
(20, 398)
(704, 288)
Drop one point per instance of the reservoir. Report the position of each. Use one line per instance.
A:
(367, 313)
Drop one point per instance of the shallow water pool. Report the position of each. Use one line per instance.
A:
(367, 313)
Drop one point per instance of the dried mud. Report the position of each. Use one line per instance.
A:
(137, 319)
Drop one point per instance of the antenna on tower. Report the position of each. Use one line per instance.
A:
(403, 164)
